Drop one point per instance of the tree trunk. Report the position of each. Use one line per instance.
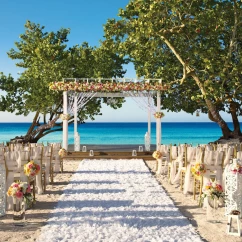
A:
(32, 126)
(214, 114)
(237, 131)
(188, 71)
(225, 130)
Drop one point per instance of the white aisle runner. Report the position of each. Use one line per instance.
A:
(116, 201)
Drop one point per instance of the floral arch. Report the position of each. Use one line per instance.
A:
(107, 87)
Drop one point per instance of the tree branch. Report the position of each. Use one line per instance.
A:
(176, 29)
(47, 132)
(187, 70)
(35, 121)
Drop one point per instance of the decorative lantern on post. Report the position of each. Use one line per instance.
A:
(2, 190)
(233, 187)
(233, 225)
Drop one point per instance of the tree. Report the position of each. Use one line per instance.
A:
(193, 45)
(45, 58)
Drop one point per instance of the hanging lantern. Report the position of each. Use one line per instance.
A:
(2, 190)
(233, 225)
(197, 113)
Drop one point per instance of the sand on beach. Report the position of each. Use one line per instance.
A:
(37, 217)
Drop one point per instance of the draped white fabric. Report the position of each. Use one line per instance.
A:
(228, 155)
(36, 155)
(171, 164)
(22, 159)
(55, 156)
(2, 161)
(12, 167)
(194, 154)
(162, 162)
(239, 155)
(178, 162)
(213, 161)
(46, 161)
(171, 159)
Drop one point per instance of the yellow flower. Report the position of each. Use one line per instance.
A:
(9, 193)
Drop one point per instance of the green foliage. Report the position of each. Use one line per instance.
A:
(45, 58)
(177, 40)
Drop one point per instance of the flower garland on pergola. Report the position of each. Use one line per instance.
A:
(107, 86)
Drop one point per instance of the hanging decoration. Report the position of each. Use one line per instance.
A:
(82, 99)
(144, 100)
(64, 116)
(159, 114)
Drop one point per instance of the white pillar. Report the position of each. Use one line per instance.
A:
(76, 135)
(149, 120)
(75, 114)
(158, 123)
(65, 122)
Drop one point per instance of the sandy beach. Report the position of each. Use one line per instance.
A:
(45, 204)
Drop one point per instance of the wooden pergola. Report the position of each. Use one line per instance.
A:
(108, 87)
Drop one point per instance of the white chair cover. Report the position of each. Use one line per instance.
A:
(239, 155)
(208, 147)
(2, 161)
(22, 159)
(173, 151)
(32, 145)
(213, 161)
(179, 161)
(194, 154)
(12, 167)
(46, 161)
(36, 153)
(162, 162)
(56, 159)
(228, 155)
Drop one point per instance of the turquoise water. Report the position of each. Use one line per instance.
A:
(124, 133)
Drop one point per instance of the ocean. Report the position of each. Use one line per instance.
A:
(125, 133)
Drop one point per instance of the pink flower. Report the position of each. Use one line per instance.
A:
(19, 194)
(219, 187)
(28, 190)
(15, 185)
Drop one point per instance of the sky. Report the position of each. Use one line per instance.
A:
(85, 20)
